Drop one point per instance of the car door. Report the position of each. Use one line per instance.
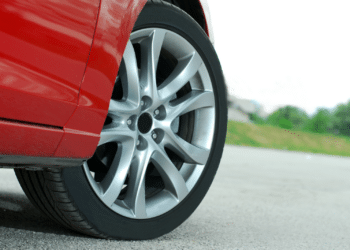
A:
(44, 48)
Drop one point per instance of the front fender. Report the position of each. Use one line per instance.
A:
(115, 23)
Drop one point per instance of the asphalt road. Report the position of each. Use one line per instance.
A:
(260, 199)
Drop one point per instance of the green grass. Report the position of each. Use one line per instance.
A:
(267, 136)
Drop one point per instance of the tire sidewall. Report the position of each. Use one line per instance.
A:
(102, 218)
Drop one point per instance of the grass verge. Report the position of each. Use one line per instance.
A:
(267, 136)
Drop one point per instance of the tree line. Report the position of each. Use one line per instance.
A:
(336, 121)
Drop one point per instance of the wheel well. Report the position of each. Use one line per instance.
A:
(194, 9)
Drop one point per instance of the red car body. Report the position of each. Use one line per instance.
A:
(58, 65)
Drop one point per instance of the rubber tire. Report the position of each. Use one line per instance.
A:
(66, 196)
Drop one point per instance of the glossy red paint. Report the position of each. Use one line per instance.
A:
(115, 23)
(28, 140)
(51, 73)
(76, 144)
(44, 47)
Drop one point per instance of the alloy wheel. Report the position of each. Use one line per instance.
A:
(159, 130)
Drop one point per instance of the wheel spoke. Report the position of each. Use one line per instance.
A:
(173, 180)
(130, 76)
(188, 152)
(113, 183)
(116, 134)
(184, 71)
(150, 52)
(120, 108)
(136, 194)
(190, 102)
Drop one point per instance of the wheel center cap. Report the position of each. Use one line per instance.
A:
(145, 123)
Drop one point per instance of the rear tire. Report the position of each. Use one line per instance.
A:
(73, 197)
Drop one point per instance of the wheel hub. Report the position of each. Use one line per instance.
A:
(145, 123)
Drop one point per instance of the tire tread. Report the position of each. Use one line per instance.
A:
(47, 192)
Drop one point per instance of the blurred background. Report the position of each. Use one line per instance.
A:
(286, 65)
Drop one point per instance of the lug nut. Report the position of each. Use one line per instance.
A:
(156, 112)
(154, 136)
(138, 143)
(129, 122)
(142, 103)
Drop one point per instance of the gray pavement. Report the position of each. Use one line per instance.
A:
(260, 199)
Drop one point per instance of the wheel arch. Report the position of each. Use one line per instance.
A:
(115, 22)
(199, 11)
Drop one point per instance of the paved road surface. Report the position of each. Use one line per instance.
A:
(260, 199)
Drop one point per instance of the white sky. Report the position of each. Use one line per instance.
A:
(281, 52)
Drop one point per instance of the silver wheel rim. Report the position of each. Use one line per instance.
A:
(144, 126)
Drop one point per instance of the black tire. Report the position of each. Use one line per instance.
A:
(66, 196)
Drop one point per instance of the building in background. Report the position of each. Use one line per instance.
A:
(239, 109)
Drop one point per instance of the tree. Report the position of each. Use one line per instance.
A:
(284, 123)
(342, 119)
(288, 117)
(321, 122)
(255, 118)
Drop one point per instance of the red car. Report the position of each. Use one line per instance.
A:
(113, 113)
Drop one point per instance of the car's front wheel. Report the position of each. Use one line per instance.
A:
(161, 143)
